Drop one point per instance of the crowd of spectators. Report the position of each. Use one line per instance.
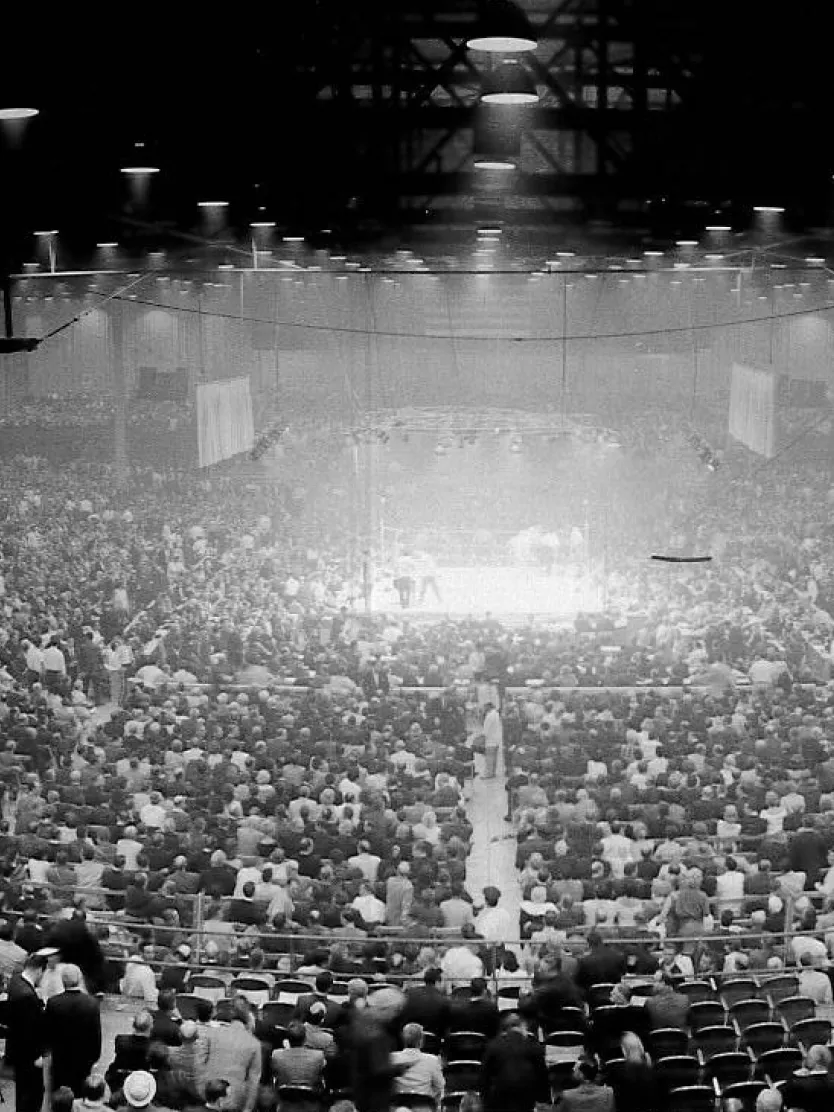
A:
(275, 792)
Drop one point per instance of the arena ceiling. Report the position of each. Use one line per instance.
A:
(354, 123)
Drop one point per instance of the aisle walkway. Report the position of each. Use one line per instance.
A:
(492, 860)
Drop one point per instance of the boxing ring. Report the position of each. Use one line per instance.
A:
(500, 591)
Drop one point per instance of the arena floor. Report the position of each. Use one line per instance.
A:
(500, 591)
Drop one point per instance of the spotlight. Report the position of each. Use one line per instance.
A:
(502, 29)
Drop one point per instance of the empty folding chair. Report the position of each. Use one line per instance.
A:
(462, 1077)
(680, 1071)
(294, 986)
(746, 1092)
(747, 1012)
(730, 1068)
(762, 1037)
(780, 987)
(795, 1008)
(708, 1013)
(210, 988)
(778, 1065)
(698, 991)
(721, 1039)
(665, 1042)
(464, 1046)
(691, 1098)
(811, 1032)
(738, 988)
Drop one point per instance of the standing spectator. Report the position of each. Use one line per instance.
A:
(236, 1055)
(493, 737)
(427, 1004)
(371, 1043)
(399, 895)
(12, 955)
(118, 657)
(73, 1032)
(26, 1037)
(513, 1072)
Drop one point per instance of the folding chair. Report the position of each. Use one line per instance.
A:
(698, 991)
(708, 1013)
(747, 1012)
(464, 1046)
(780, 987)
(795, 1008)
(666, 1042)
(810, 1032)
(777, 1065)
(681, 1071)
(745, 1091)
(691, 1098)
(762, 1037)
(737, 989)
(729, 1069)
(722, 1039)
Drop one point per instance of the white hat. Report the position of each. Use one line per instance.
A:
(139, 1088)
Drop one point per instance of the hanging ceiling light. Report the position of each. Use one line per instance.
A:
(18, 113)
(502, 28)
(496, 146)
(508, 83)
(139, 161)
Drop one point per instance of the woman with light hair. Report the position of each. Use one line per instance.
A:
(633, 1078)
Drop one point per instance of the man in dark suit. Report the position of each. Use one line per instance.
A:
(298, 1064)
(513, 1072)
(26, 1035)
(166, 1027)
(603, 964)
(474, 1011)
(73, 1032)
(132, 1052)
(811, 1088)
(427, 1004)
(666, 1007)
(324, 983)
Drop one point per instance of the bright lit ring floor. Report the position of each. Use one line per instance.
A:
(500, 591)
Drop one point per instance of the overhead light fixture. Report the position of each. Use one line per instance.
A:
(496, 144)
(293, 239)
(815, 260)
(51, 232)
(212, 204)
(502, 29)
(653, 254)
(489, 231)
(565, 254)
(262, 224)
(508, 83)
(686, 242)
(718, 228)
(105, 246)
(137, 161)
(773, 209)
(226, 266)
(18, 113)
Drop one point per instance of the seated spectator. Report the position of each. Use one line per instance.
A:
(419, 1074)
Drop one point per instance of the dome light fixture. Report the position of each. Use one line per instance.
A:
(18, 113)
(496, 146)
(137, 162)
(508, 83)
(502, 28)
